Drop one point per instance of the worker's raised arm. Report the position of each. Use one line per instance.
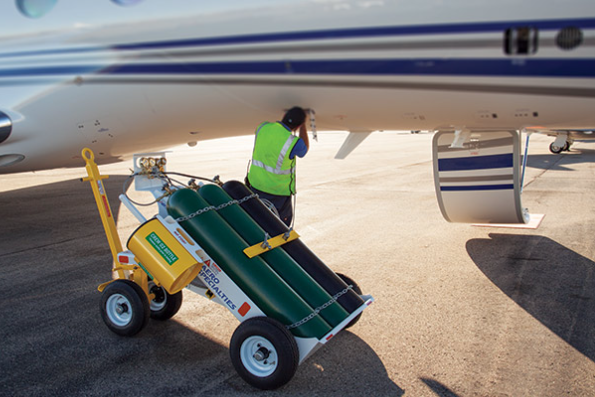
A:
(304, 135)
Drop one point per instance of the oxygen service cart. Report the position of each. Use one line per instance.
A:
(287, 310)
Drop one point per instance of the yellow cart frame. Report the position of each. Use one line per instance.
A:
(135, 272)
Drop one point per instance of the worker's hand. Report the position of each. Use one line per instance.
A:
(304, 135)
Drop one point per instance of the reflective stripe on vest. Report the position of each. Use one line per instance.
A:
(271, 170)
(280, 159)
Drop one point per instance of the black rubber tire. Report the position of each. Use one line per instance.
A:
(164, 306)
(130, 298)
(347, 280)
(263, 332)
(555, 149)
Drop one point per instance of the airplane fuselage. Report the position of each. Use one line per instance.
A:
(128, 80)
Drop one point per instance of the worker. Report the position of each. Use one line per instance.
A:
(272, 169)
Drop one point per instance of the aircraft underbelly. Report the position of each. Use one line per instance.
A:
(119, 118)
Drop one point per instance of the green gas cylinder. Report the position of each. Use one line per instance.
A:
(283, 264)
(253, 276)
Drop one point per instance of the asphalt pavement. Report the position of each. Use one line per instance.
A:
(459, 310)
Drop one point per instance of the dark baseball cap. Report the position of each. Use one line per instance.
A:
(294, 117)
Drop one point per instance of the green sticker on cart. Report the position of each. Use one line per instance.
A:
(162, 248)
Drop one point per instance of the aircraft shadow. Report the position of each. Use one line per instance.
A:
(551, 282)
(438, 388)
(54, 254)
(560, 162)
(53, 213)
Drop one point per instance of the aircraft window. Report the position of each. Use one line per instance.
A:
(126, 2)
(35, 8)
(569, 38)
(520, 41)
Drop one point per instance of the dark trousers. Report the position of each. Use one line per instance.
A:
(283, 204)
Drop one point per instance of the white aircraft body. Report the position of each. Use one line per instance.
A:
(124, 77)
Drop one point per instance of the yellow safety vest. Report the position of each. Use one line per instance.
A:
(271, 170)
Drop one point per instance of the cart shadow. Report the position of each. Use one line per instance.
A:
(551, 282)
(346, 366)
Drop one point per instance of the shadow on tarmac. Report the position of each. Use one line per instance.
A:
(54, 213)
(438, 388)
(551, 282)
(560, 162)
(53, 254)
(346, 366)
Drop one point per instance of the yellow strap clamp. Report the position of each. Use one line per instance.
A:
(270, 243)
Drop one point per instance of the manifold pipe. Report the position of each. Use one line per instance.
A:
(126, 201)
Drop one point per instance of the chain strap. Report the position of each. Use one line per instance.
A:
(319, 309)
(239, 202)
(217, 208)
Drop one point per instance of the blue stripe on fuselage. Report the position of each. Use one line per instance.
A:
(48, 71)
(476, 163)
(357, 33)
(438, 67)
(359, 67)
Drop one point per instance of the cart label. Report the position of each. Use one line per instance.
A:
(163, 250)
(106, 205)
(212, 281)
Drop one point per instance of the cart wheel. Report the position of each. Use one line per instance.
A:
(164, 306)
(264, 353)
(357, 290)
(124, 307)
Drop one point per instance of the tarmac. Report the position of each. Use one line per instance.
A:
(459, 310)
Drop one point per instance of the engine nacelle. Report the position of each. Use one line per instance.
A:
(478, 176)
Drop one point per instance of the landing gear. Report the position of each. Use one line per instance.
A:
(562, 143)
(264, 353)
(556, 149)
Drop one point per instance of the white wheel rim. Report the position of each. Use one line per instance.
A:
(119, 310)
(259, 356)
(156, 306)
